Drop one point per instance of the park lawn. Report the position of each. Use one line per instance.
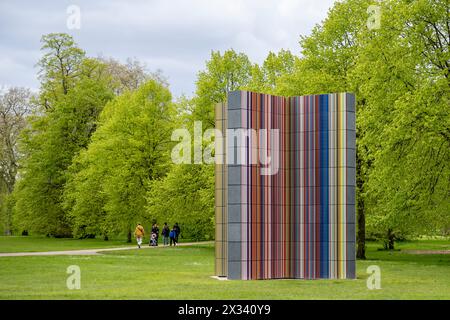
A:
(42, 243)
(184, 273)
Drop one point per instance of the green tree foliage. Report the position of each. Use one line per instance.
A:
(186, 194)
(15, 105)
(329, 56)
(109, 181)
(73, 93)
(60, 66)
(6, 212)
(223, 73)
(399, 73)
(49, 145)
(273, 73)
(404, 72)
(74, 90)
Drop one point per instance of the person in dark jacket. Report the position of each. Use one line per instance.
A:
(177, 230)
(165, 234)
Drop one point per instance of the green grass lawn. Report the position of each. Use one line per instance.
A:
(184, 273)
(42, 243)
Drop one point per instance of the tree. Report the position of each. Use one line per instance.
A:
(186, 193)
(399, 73)
(128, 76)
(49, 145)
(224, 73)
(274, 72)
(108, 185)
(329, 56)
(15, 105)
(405, 69)
(59, 66)
(73, 92)
(186, 196)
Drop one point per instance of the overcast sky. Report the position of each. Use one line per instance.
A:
(175, 36)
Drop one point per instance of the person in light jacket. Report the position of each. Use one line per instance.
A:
(139, 234)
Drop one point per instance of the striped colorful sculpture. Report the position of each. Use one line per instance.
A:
(296, 220)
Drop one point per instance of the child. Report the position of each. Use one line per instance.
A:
(177, 231)
(154, 238)
(153, 241)
(173, 236)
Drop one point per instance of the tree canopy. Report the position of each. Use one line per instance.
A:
(93, 156)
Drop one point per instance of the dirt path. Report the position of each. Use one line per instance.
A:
(89, 251)
(427, 251)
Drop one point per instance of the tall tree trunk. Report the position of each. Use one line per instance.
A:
(390, 239)
(360, 211)
(129, 235)
(361, 236)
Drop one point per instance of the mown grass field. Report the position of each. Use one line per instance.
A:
(184, 273)
(37, 243)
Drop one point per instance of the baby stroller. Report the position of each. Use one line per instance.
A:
(154, 239)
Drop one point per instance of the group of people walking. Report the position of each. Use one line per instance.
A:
(169, 235)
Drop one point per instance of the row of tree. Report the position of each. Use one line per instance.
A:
(94, 155)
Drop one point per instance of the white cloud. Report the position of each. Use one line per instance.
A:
(176, 36)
